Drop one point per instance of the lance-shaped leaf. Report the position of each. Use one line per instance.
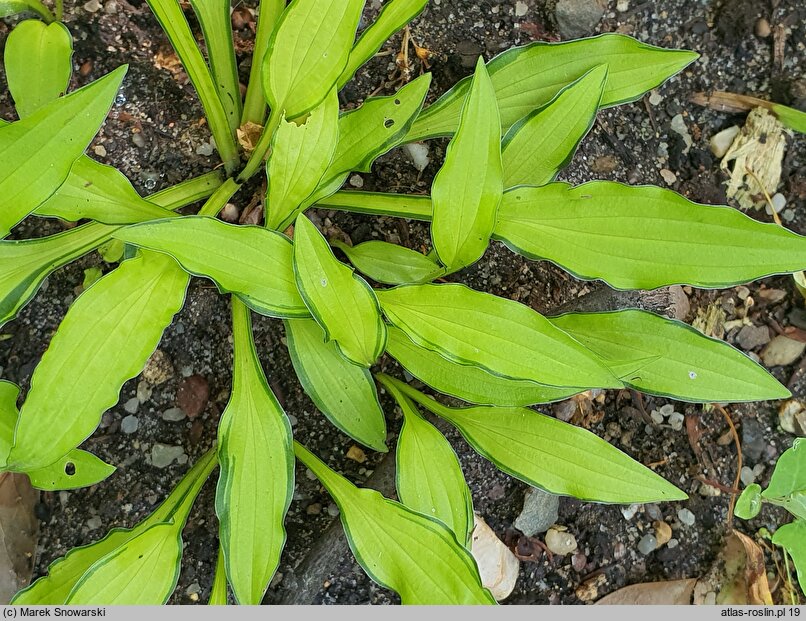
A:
(36, 153)
(391, 264)
(308, 52)
(792, 537)
(64, 573)
(299, 157)
(38, 64)
(250, 261)
(341, 390)
(671, 358)
(9, 392)
(414, 555)
(502, 336)
(410, 206)
(789, 476)
(375, 128)
(393, 16)
(538, 146)
(218, 592)
(468, 187)
(216, 23)
(643, 237)
(105, 339)
(257, 471)
(12, 7)
(99, 193)
(429, 477)
(27, 263)
(76, 469)
(340, 300)
(469, 383)
(528, 77)
(555, 456)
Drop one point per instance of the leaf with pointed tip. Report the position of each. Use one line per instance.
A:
(676, 360)
(469, 383)
(414, 555)
(299, 157)
(502, 336)
(340, 300)
(555, 456)
(538, 146)
(104, 340)
(65, 572)
(468, 187)
(394, 15)
(218, 592)
(38, 64)
(643, 237)
(792, 537)
(100, 193)
(307, 53)
(341, 390)
(13, 7)
(749, 504)
(528, 77)
(76, 469)
(36, 153)
(257, 471)
(429, 477)
(9, 393)
(787, 486)
(250, 261)
(391, 264)
(410, 206)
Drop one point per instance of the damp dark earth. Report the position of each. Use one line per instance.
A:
(167, 417)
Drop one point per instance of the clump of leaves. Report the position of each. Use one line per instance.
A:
(513, 125)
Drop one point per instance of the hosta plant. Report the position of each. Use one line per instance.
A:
(513, 125)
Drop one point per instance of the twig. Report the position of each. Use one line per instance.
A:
(735, 491)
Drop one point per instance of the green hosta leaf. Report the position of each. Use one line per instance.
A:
(12, 7)
(257, 471)
(66, 572)
(416, 556)
(368, 132)
(749, 504)
(99, 193)
(38, 64)
(391, 264)
(308, 52)
(414, 207)
(144, 570)
(468, 187)
(76, 469)
(299, 157)
(792, 537)
(340, 300)
(791, 117)
(218, 592)
(9, 393)
(502, 336)
(469, 383)
(643, 237)
(27, 263)
(250, 261)
(341, 390)
(429, 477)
(36, 153)
(552, 455)
(216, 23)
(394, 15)
(528, 77)
(671, 358)
(105, 339)
(538, 146)
(789, 476)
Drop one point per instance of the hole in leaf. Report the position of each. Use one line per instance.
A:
(397, 102)
(69, 468)
(388, 123)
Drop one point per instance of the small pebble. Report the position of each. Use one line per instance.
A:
(138, 140)
(111, 7)
(521, 8)
(673, 543)
(143, 391)
(778, 202)
(332, 510)
(667, 409)
(623, 5)
(657, 417)
(762, 28)
(578, 561)
(663, 532)
(686, 517)
(94, 523)
(174, 415)
(418, 152)
(129, 424)
(668, 176)
(357, 181)
(647, 544)
(655, 98)
(560, 542)
(629, 511)
(132, 405)
(310, 475)
(314, 508)
(163, 455)
(93, 6)
(100, 150)
(619, 550)
(205, 149)
(720, 143)
(653, 511)
(676, 420)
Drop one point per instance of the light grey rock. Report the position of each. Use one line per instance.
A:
(782, 351)
(132, 405)
(174, 415)
(578, 18)
(750, 337)
(129, 424)
(648, 544)
(163, 455)
(540, 511)
(686, 517)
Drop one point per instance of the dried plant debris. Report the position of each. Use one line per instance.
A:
(19, 529)
(756, 153)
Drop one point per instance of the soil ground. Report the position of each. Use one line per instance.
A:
(155, 135)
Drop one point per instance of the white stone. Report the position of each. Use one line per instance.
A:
(418, 152)
(498, 566)
(521, 9)
(129, 424)
(720, 143)
(686, 517)
(560, 542)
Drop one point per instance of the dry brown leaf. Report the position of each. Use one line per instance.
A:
(169, 61)
(671, 593)
(248, 135)
(19, 529)
(738, 578)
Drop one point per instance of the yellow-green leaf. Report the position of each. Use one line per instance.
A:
(257, 471)
(468, 188)
(391, 264)
(341, 390)
(792, 537)
(340, 300)
(76, 469)
(218, 592)
(414, 555)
